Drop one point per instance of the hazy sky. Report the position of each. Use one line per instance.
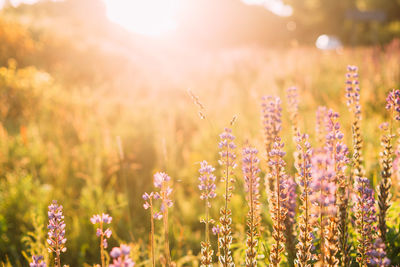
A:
(275, 6)
(141, 17)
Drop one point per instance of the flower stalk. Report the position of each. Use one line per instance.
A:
(207, 186)
(56, 235)
(304, 178)
(227, 161)
(101, 220)
(252, 182)
(278, 201)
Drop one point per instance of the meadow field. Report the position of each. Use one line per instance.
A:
(95, 128)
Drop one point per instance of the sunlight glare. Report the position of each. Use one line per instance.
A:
(278, 7)
(147, 17)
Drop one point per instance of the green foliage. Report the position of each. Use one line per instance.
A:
(20, 198)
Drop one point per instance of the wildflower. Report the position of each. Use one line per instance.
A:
(363, 194)
(386, 157)
(323, 197)
(216, 230)
(353, 102)
(252, 182)
(162, 181)
(293, 103)
(378, 254)
(120, 256)
(148, 198)
(56, 235)
(101, 220)
(227, 161)
(304, 178)
(393, 104)
(207, 186)
(339, 151)
(353, 91)
(37, 261)
(365, 218)
(290, 205)
(278, 200)
(207, 182)
(272, 124)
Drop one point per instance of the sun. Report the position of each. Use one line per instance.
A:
(147, 17)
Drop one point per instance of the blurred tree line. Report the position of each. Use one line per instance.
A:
(354, 21)
(222, 23)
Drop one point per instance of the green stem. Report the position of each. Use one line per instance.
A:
(101, 245)
(153, 259)
(166, 233)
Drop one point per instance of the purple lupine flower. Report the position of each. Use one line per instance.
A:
(393, 103)
(103, 218)
(272, 124)
(365, 193)
(250, 170)
(304, 178)
(290, 205)
(277, 199)
(162, 181)
(271, 119)
(227, 153)
(37, 261)
(207, 186)
(334, 141)
(160, 178)
(378, 254)
(207, 182)
(56, 235)
(323, 197)
(216, 230)
(365, 214)
(100, 232)
(252, 183)
(148, 198)
(121, 257)
(323, 185)
(148, 204)
(227, 162)
(353, 90)
(337, 149)
(339, 152)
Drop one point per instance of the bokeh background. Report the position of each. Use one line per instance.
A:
(94, 100)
